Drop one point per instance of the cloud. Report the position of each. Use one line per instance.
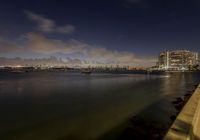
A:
(74, 52)
(65, 29)
(31, 62)
(37, 42)
(49, 26)
(75, 61)
(6, 47)
(40, 44)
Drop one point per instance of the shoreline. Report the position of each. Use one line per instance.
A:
(156, 131)
(93, 70)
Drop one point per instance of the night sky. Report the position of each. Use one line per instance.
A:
(130, 32)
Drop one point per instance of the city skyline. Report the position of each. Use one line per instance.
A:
(124, 32)
(178, 60)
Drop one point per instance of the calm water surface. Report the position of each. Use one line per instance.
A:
(72, 106)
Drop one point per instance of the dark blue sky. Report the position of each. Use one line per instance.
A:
(142, 27)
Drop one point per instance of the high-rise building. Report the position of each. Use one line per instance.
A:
(178, 60)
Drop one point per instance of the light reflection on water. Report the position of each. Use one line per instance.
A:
(52, 105)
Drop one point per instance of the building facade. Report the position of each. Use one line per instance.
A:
(179, 60)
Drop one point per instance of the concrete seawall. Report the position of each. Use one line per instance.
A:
(187, 124)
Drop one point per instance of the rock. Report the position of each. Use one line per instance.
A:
(178, 100)
(173, 117)
(188, 94)
(196, 85)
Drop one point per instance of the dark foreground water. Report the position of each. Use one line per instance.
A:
(72, 106)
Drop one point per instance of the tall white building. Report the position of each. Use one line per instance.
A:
(178, 60)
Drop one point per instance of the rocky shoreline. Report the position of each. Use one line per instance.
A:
(181, 101)
(144, 129)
